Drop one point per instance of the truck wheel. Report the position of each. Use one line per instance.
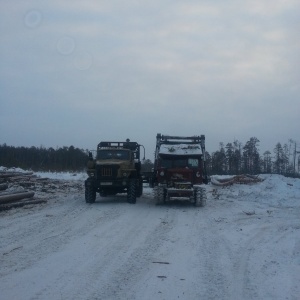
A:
(90, 194)
(132, 191)
(200, 197)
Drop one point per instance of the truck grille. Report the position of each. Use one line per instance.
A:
(107, 172)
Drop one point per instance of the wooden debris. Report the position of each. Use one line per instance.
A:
(249, 213)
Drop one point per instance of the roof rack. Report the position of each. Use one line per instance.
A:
(124, 145)
(133, 146)
(176, 140)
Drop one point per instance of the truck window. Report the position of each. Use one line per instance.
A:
(179, 163)
(193, 163)
(173, 163)
(166, 163)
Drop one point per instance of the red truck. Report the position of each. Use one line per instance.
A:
(180, 169)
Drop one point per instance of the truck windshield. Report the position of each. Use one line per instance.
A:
(179, 163)
(113, 154)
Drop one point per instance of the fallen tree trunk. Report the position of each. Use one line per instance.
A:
(15, 197)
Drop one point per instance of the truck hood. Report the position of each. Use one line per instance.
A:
(114, 162)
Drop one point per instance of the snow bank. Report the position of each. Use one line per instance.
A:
(62, 175)
(274, 190)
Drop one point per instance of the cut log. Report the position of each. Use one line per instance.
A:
(12, 174)
(20, 204)
(11, 193)
(15, 197)
(21, 177)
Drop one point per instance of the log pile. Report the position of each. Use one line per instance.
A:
(12, 195)
(238, 179)
(18, 189)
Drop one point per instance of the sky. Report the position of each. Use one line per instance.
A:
(78, 72)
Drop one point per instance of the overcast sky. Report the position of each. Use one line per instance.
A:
(77, 72)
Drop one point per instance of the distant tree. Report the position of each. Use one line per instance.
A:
(208, 162)
(267, 162)
(237, 158)
(251, 156)
(288, 167)
(229, 158)
(219, 165)
(278, 163)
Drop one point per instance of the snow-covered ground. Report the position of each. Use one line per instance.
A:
(245, 244)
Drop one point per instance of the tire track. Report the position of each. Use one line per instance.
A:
(109, 271)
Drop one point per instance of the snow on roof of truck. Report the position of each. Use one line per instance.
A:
(180, 149)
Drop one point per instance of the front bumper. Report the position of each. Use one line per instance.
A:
(107, 184)
(172, 192)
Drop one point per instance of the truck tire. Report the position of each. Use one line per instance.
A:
(200, 197)
(90, 194)
(132, 191)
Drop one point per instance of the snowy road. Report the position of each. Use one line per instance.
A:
(245, 244)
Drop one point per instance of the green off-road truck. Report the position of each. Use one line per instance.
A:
(115, 169)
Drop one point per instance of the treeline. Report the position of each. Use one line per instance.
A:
(43, 159)
(236, 158)
(232, 158)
